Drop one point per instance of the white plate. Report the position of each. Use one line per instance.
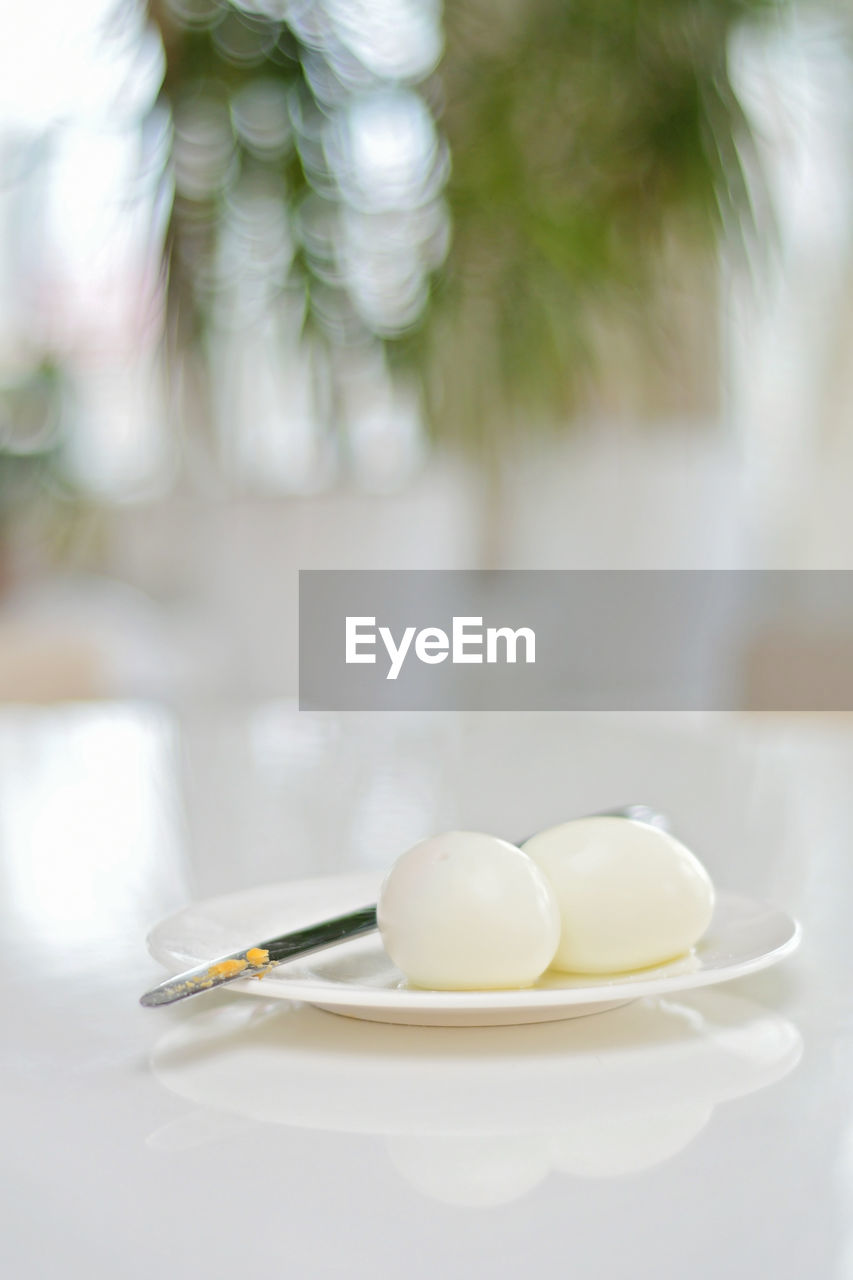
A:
(357, 978)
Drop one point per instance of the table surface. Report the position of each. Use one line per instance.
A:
(704, 1135)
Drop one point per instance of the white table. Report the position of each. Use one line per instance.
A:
(710, 1136)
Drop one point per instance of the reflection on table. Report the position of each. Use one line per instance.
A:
(479, 1116)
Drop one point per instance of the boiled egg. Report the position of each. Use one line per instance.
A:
(467, 911)
(629, 894)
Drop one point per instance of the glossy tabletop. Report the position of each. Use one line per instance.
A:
(705, 1134)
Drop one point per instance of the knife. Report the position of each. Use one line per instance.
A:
(257, 960)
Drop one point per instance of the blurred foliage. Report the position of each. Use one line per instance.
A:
(583, 136)
(205, 76)
(31, 447)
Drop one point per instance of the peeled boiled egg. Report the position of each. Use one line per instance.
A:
(466, 911)
(629, 895)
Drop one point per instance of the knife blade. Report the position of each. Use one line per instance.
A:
(257, 960)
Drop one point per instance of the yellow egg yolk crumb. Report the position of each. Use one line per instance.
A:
(225, 968)
(257, 956)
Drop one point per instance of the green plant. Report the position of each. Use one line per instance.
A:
(584, 137)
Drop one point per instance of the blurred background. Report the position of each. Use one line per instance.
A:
(386, 283)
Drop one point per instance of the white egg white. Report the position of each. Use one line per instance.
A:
(467, 911)
(629, 895)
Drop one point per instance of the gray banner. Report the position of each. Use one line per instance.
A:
(427, 640)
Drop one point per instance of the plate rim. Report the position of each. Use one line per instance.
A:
(314, 991)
